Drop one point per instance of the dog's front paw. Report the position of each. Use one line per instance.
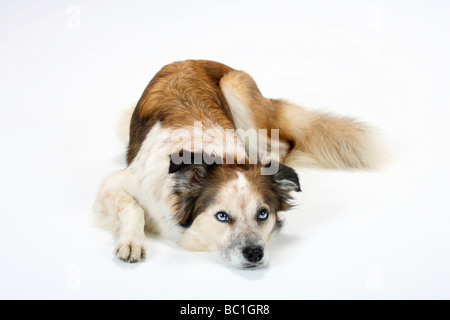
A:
(131, 251)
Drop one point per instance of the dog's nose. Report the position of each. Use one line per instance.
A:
(253, 254)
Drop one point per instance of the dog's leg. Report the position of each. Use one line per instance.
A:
(117, 204)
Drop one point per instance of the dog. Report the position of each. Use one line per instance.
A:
(194, 174)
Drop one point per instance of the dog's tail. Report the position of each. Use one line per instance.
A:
(315, 138)
(327, 141)
(123, 126)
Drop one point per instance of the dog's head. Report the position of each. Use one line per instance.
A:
(231, 209)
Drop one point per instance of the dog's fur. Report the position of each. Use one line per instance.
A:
(182, 200)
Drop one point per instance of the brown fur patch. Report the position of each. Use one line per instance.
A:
(180, 94)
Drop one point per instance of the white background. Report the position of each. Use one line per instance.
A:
(68, 68)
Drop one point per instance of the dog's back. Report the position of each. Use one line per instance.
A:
(179, 95)
(207, 91)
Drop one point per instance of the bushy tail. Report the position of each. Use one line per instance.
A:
(328, 141)
(316, 138)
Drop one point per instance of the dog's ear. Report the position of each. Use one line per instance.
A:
(189, 168)
(180, 160)
(286, 178)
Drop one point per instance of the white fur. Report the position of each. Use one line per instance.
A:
(127, 217)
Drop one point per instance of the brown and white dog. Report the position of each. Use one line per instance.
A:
(196, 175)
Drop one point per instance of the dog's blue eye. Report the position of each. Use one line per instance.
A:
(263, 214)
(223, 217)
